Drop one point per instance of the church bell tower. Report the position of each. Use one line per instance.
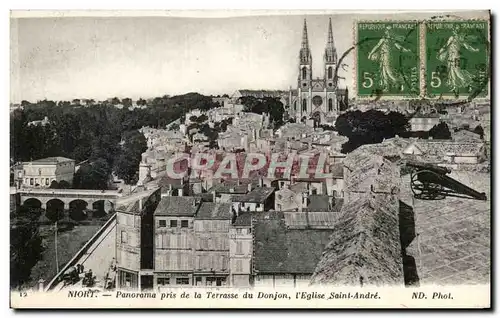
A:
(330, 59)
(305, 73)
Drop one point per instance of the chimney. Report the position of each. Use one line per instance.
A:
(261, 182)
(40, 284)
(179, 192)
(250, 187)
(214, 196)
(304, 200)
(231, 190)
(195, 202)
(140, 204)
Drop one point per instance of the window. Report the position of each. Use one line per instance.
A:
(47, 181)
(179, 245)
(39, 172)
(32, 181)
(304, 73)
(128, 279)
(210, 281)
(239, 247)
(124, 237)
(295, 106)
(173, 223)
(162, 281)
(197, 281)
(162, 223)
(330, 104)
(304, 105)
(239, 231)
(239, 265)
(184, 223)
(182, 281)
(330, 72)
(220, 281)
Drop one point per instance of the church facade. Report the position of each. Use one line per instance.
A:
(318, 99)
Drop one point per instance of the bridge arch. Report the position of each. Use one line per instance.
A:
(32, 203)
(55, 209)
(103, 207)
(77, 209)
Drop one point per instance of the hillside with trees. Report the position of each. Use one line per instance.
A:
(99, 133)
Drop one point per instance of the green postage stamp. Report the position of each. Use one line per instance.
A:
(413, 59)
(388, 59)
(457, 58)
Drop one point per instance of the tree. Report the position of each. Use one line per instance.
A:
(269, 105)
(25, 250)
(479, 130)
(127, 102)
(115, 101)
(174, 126)
(127, 163)
(54, 185)
(440, 131)
(369, 127)
(63, 184)
(93, 175)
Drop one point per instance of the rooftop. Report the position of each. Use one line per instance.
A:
(52, 160)
(281, 250)
(244, 219)
(365, 245)
(454, 235)
(177, 206)
(257, 195)
(214, 211)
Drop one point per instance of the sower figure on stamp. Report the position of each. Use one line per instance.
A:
(382, 53)
(450, 53)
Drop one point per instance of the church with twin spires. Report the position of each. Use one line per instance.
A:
(318, 99)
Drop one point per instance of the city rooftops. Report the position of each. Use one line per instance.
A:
(177, 206)
(51, 160)
(257, 195)
(214, 211)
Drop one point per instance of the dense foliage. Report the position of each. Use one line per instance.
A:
(96, 132)
(25, 245)
(369, 127)
(269, 105)
(440, 131)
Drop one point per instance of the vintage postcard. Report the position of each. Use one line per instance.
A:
(250, 159)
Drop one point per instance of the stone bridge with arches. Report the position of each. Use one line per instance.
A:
(66, 198)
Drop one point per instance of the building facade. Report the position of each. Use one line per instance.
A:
(42, 172)
(320, 98)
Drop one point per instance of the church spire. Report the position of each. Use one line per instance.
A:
(330, 51)
(305, 52)
(305, 41)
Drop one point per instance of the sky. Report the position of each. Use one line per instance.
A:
(62, 58)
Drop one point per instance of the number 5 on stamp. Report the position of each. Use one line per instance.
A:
(387, 59)
(457, 58)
